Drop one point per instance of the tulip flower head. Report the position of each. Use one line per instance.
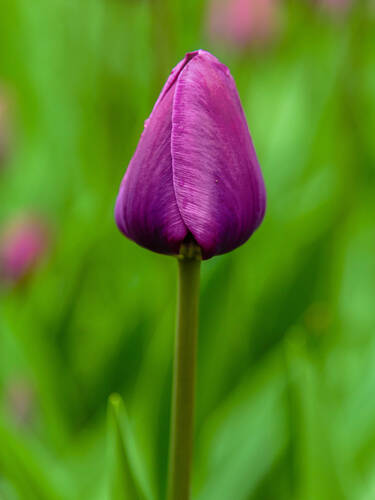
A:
(194, 175)
(22, 245)
(240, 23)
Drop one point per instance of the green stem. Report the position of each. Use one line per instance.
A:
(182, 425)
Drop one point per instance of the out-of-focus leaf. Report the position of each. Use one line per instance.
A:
(151, 412)
(243, 439)
(317, 464)
(29, 471)
(7, 491)
(127, 479)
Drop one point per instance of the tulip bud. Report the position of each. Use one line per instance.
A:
(240, 23)
(22, 245)
(194, 175)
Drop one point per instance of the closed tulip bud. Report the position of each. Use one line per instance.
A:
(194, 175)
(23, 243)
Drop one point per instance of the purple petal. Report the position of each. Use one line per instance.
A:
(217, 179)
(195, 170)
(146, 209)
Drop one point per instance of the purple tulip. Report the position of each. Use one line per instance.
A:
(195, 173)
(22, 245)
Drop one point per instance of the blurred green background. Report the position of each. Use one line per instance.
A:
(286, 375)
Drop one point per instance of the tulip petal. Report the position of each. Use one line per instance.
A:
(217, 179)
(146, 209)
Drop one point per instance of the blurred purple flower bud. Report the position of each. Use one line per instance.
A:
(335, 6)
(23, 243)
(195, 173)
(20, 400)
(5, 125)
(240, 23)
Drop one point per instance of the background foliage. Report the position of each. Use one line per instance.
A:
(285, 404)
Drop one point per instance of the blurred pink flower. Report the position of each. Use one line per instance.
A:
(23, 243)
(242, 22)
(20, 399)
(5, 125)
(335, 6)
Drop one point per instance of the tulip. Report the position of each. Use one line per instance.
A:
(194, 175)
(240, 23)
(23, 243)
(194, 189)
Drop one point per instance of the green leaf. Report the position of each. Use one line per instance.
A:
(127, 478)
(26, 467)
(244, 438)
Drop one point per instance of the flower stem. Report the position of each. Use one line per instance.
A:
(182, 425)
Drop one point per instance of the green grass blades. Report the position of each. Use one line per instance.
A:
(126, 478)
(28, 469)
